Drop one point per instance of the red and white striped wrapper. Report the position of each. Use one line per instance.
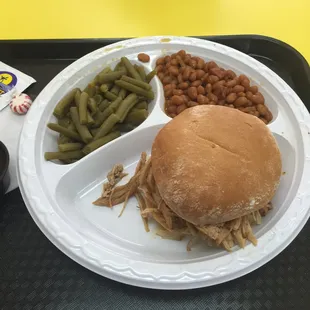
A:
(20, 104)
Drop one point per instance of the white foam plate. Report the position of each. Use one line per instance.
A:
(59, 197)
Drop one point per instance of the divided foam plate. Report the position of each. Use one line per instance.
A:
(59, 197)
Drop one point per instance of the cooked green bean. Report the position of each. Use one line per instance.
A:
(115, 104)
(141, 105)
(111, 76)
(90, 120)
(83, 108)
(106, 126)
(82, 129)
(90, 89)
(66, 132)
(122, 93)
(77, 98)
(94, 131)
(136, 117)
(92, 105)
(141, 72)
(63, 139)
(64, 122)
(72, 127)
(125, 106)
(119, 67)
(110, 96)
(63, 155)
(103, 71)
(115, 89)
(66, 147)
(101, 117)
(98, 99)
(150, 76)
(136, 82)
(104, 104)
(135, 89)
(64, 104)
(100, 142)
(104, 88)
(131, 69)
(124, 127)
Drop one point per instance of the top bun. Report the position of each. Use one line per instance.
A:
(213, 164)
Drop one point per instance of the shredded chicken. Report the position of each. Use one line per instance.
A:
(142, 185)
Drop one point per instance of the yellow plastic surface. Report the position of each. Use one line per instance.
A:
(287, 20)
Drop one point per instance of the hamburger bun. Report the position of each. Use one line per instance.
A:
(213, 164)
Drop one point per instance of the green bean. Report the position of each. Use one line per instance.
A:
(119, 67)
(110, 96)
(63, 155)
(72, 127)
(122, 93)
(83, 108)
(82, 129)
(66, 147)
(94, 131)
(111, 76)
(141, 72)
(104, 88)
(66, 132)
(98, 99)
(136, 82)
(115, 89)
(106, 126)
(90, 89)
(104, 104)
(141, 105)
(92, 105)
(101, 117)
(135, 89)
(130, 68)
(100, 142)
(64, 104)
(77, 98)
(124, 127)
(103, 71)
(63, 139)
(150, 76)
(90, 120)
(115, 104)
(125, 106)
(64, 122)
(136, 117)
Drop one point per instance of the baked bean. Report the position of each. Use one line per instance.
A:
(249, 95)
(185, 99)
(168, 93)
(168, 65)
(172, 115)
(231, 83)
(212, 103)
(160, 68)
(174, 62)
(193, 63)
(167, 59)
(187, 59)
(238, 89)
(229, 90)
(218, 72)
(186, 74)
(253, 89)
(212, 64)
(180, 78)
(241, 101)
(193, 77)
(174, 55)
(256, 113)
(200, 90)
(199, 74)
(173, 70)
(144, 57)
(177, 100)
(172, 108)
(231, 97)
(161, 75)
(160, 61)
(218, 84)
(192, 104)
(258, 98)
(201, 99)
(243, 77)
(268, 116)
(208, 88)
(245, 84)
(212, 97)
(221, 102)
(181, 108)
(241, 94)
(177, 92)
(212, 79)
(196, 83)
(250, 103)
(200, 63)
(220, 91)
(205, 78)
(247, 109)
(264, 120)
(262, 109)
(192, 93)
(183, 85)
(230, 74)
(206, 67)
(181, 53)
(174, 80)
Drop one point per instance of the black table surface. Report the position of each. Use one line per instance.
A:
(34, 274)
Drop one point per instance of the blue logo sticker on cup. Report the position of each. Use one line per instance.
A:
(8, 80)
